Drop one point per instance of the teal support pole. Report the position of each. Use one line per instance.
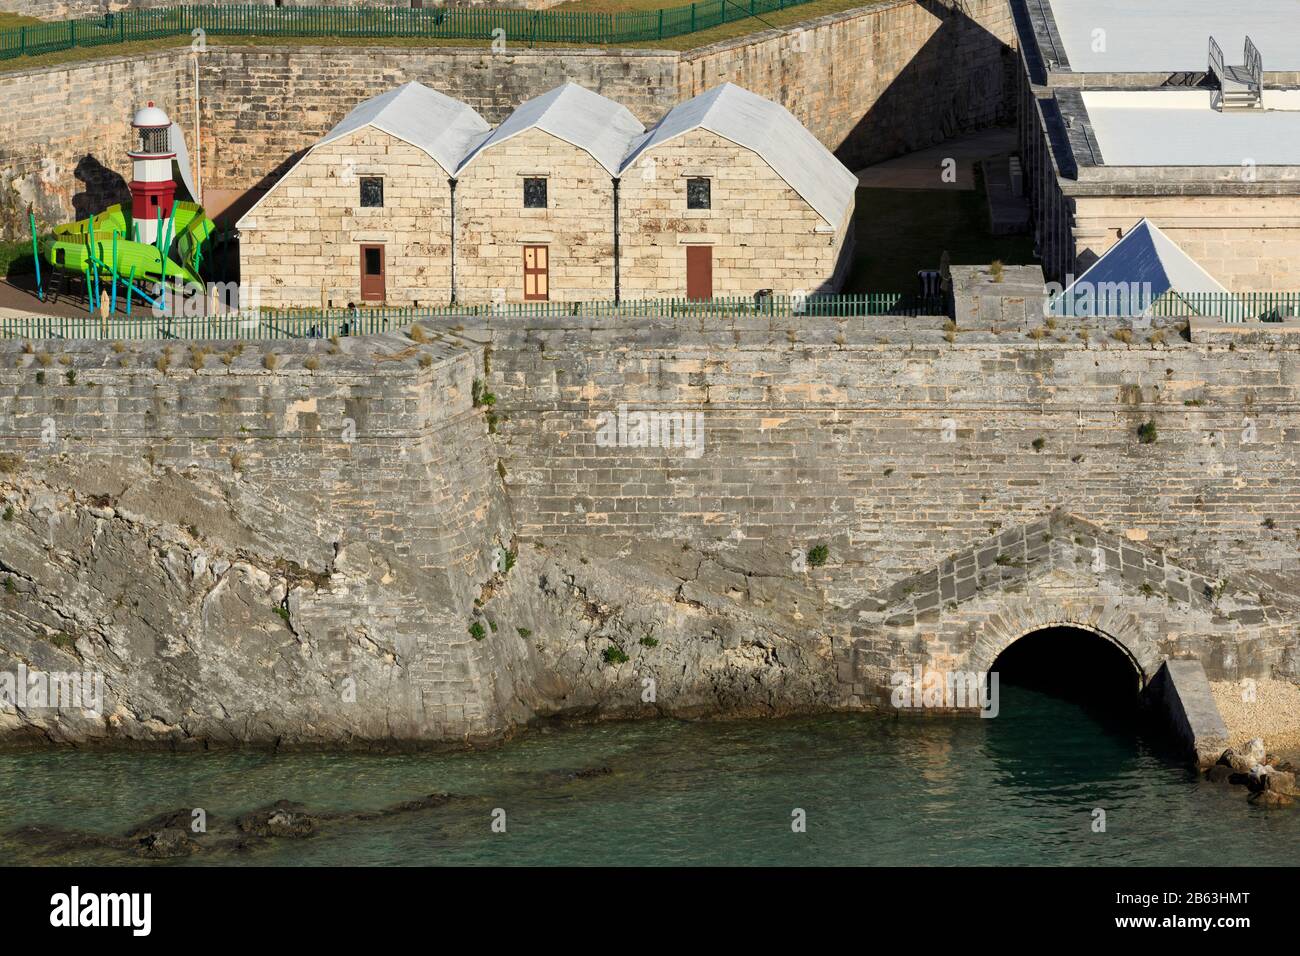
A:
(113, 306)
(92, 270)
(130, 284)
(163, 245)
(36, 253)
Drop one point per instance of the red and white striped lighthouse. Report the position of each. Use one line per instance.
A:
(152, 187)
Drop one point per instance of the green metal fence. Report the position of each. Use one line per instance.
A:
(1232, 307)
(318, 323)
(437, 23)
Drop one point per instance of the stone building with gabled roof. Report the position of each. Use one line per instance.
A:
(729, 194)
(535, 201)
(413, 199)
(366, 214)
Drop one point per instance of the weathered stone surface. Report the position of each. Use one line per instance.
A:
(322, 592)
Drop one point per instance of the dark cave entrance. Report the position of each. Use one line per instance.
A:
(1072, 664)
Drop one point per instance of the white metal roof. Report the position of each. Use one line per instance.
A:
(1144, 265)
(444, 128)
(771, 131)
(1178, 128)
(1168, 36)
(587, 120)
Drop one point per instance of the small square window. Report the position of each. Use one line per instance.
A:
(697, 194)
(372, 192)
(534, 193)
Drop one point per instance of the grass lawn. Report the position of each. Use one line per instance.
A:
(689, 41)
(16, 257)
(9, 21)
(901, 231)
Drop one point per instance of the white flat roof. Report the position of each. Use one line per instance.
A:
(1178, 128)
(1158, 36)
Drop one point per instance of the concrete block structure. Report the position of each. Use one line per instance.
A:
(1127, 112)
(412, 199)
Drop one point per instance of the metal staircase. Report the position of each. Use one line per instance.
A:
(1240, 87)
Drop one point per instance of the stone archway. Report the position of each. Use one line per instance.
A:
(1073, 662)
(1140, 652)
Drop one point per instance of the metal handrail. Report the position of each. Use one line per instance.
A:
(1216, 60)
(1254, 64)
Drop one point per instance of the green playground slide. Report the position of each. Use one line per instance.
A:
(114, 249)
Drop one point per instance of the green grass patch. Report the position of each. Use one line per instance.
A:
(689, 41)
(11, 21)
(16, 257)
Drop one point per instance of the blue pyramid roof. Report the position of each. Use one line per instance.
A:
(1132, 274)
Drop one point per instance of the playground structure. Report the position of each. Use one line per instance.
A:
(136, 252)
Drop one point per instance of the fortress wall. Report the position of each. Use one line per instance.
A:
(238, 547)
(896, 448)
(876, 82)
(158, 520)
(264, 106)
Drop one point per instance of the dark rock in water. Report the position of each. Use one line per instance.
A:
(1280, 781)
(166, 844)
(1242, 763)
(54, 840)
(420, 803)
(588, 773)
(282, 819)
(1271, 799)
(1218, 773)
(1239, 779)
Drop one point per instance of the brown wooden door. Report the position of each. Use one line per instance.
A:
(372, 273)
(537, 279)
(699, 272)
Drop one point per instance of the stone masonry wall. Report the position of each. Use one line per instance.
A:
(898, 449)
(762, 233)
(265, 106)
(240, 543)
(302, 244)
(877, 82)
(66, 131)
(254, 554)
(577, 225)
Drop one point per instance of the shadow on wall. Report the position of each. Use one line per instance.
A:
(101, 187)
(930, 100)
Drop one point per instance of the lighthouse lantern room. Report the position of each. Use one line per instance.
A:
(153, 188)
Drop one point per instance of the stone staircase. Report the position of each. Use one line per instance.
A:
(1240, 86)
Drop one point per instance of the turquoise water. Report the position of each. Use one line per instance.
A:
(1019, 789)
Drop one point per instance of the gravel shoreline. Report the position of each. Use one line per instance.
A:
(1273, 714)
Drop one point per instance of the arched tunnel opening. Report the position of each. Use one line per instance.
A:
(1074, 665)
